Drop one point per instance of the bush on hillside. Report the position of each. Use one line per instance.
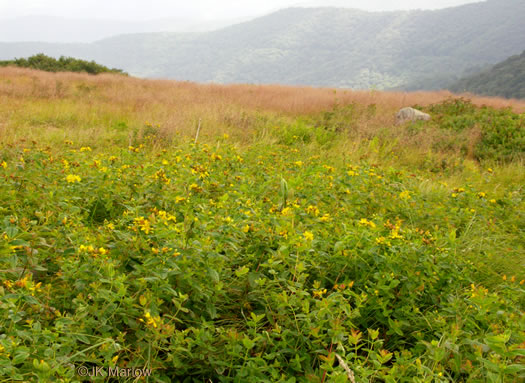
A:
(63, 64)
(502, 131)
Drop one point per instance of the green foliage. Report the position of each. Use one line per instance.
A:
(63, 64)
(255, 264)
(506, 79)
(302, 132)
(502, 132)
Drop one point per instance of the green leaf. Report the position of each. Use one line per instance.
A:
(11, 231)
(214, 275)
(19, 356)
(248, 343)
(242, 271)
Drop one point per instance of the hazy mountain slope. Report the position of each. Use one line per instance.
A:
(506, 79)
(321, 47)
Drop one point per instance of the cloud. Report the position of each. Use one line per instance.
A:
(195, 9)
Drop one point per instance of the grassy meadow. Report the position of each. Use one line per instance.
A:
(302, 237)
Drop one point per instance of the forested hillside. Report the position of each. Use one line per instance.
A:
(320, 47)
(506, 79)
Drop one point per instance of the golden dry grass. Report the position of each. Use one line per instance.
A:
(58, 105)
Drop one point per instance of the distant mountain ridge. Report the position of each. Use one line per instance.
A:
(506, 79)
(319, 47)
(63, 30)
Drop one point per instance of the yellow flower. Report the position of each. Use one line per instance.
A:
(179, 199)
(395, 235)
(3, 164)
(319, 293)
(246, 228)
(404, 195)
(298, 163)
(365, 222)
(286, 211)
(492, 201)
(309, 236)
(196, 188)
(85, 149)
(314, 210)
(381, 240)
(73, 178)
(152, 321)
(482, 195)
(325, 218)
(143, 224)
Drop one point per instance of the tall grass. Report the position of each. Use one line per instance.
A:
(110, 109)
(80, 101)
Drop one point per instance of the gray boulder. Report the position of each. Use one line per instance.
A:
(411, 114)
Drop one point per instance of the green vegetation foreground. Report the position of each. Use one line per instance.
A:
(269, 260)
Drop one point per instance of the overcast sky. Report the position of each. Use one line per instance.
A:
(195, 9)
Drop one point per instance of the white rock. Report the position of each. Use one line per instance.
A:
(411, 114)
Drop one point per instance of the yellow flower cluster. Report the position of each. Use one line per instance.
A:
(309, 236)
(71, 178)
(195, 188)
(143, 224)
(152, 321)
(365, 222)
(325, 218)
(161, 175)
(313, 210)
(405, 195)
(92, 250)
(164, 216)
